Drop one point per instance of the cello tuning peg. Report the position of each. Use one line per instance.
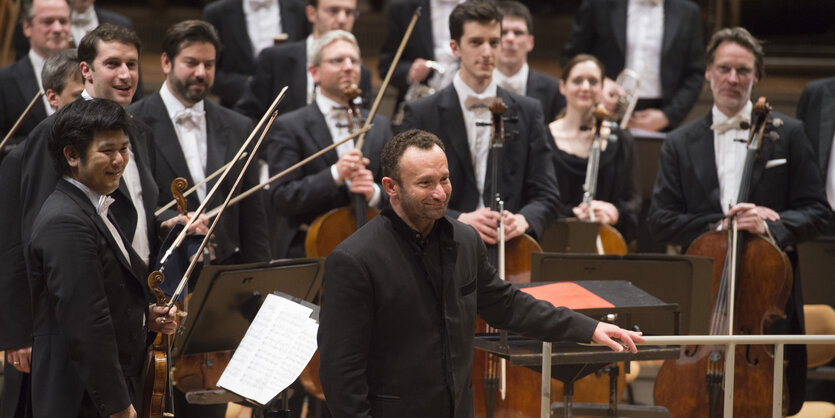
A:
(772, 136)
(777, 122)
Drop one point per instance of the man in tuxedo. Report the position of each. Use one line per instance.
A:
(247, 27)
(327, 182)
(287, 65)
(700, 171)
(108, 58)
(659, 39)
(195, 138)
(400, 298)
(429, 42)
(456, 115)
(46, 23)
(815, 108)
(89, 295)
(512, 71)
(85, 16)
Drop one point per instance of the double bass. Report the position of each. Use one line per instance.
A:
(752, 279)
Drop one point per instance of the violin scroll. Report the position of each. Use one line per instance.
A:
(155, 280)
(178, 187)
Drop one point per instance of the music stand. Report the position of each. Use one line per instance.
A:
(225, 302)
(681, 279)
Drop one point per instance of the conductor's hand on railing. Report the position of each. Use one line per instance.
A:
(617, 338)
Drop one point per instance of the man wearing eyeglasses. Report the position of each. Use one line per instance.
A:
(286, 65)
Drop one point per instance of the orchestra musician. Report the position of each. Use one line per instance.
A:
(401, 295)
(429, 42)
(46, 23)
(287, 64)
(327, 182)
(618, 196)
(456, 113)
(194, 138)
(701, 166)
(245, 28)
(661, 40)
(90, 301)
(62, 82)
(512, 70)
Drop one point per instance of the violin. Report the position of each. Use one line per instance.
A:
(752, 280)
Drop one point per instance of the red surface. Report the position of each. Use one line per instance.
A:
(570, 295)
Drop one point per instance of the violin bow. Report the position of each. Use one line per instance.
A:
(20, 119)
(202, 182)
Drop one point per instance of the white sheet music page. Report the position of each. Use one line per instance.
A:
(277, 346)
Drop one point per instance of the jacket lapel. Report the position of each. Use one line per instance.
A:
(166, 138)
(455, 133)
(702, 156)
(217, 141)
(317, 128)
(239, 34)
(672, 22)
(618, 18)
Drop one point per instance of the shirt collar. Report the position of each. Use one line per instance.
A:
(719, 117)
(172, 104)
(95, 198)
(37, 62)
(325, 104)
(520, 77)
(85, 95)
(464, 90)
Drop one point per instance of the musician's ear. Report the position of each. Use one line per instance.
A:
(166, 63)
(456, 50)
(72, 156)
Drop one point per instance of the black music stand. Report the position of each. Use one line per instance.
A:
(225, 302)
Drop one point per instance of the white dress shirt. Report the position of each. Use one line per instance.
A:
(102, 205)
(336, 117)
(311, 87)
(440, 11)
(83, 22)
(478, 137)
(517, 83)
(263, 23)
(190, 133)
(37, 66)
(140, 242)
(730, 149)
(644, 39)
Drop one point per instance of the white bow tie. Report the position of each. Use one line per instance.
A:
(189, 117)
(260, 4)
(82, 19)
(649, 2)
(104, 205)
(730, 123)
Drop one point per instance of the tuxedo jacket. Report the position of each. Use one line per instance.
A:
(19, 85)
(90, 308)
(600, 29)
(528, 182)
(241, 230)
(280, 66)
(304, 194)
(420, 44)
(546, 89)
(396, 341)
(685, 199)
(237, 59)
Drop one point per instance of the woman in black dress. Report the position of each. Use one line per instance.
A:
(618, 198)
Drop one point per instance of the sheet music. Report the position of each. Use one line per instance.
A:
(277, 346)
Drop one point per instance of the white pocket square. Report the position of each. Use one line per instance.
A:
(775, 163)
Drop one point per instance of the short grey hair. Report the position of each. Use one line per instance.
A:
(59, 68)
(314, 56)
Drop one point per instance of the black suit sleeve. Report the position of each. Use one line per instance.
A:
(807, 211)
(668, 219)
(582, 33)
(346, 323)
(257, 95)
(66, 250)
(228, 83)
(400, 14)
(15, 302)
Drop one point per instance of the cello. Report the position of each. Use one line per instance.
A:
(752, 279)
